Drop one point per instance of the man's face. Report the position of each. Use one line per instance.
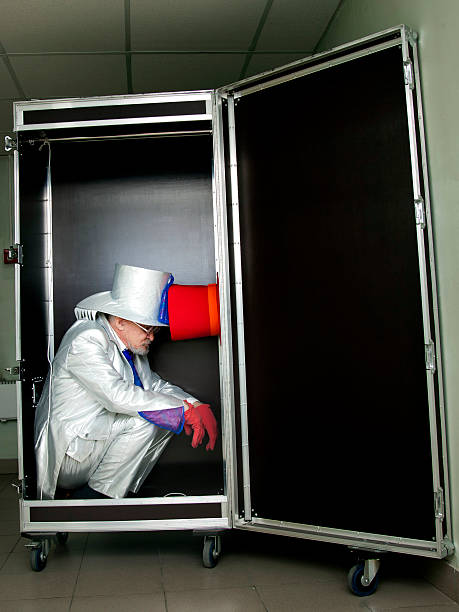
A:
(138, 337)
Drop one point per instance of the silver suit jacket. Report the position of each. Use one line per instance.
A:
(90, 382)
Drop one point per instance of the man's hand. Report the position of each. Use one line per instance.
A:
(209, 422)
(193, 423)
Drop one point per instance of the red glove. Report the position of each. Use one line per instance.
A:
(209, 422)
(193, 423)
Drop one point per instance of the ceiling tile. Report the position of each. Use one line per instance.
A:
(183, 72)
(296, 24)
(61, 76)
(8, 88)
(262, 62)
(67, 25)
(6, 118)
(194, 25)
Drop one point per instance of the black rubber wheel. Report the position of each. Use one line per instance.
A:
(62, 537)
(38, 559)
(209, 554)
(354, 581)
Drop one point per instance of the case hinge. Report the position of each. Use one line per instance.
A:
(430, 357)
(10, 144)
(409, 74)
(420, 212)
(13, 255)
(439, 504)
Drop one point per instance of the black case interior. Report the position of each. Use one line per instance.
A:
(338, 417)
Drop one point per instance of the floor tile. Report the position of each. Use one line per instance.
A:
(5, 480)
(215, 600)
(58, 579)
(8, 491)
(183, 571)
(402, 593)
(449, 608)
(59, 604)
(274, 569)
(9, 527)
(8, 542)
(118, 574)
(151, 602)
(141, 542)
(9, 509)
(310, 597)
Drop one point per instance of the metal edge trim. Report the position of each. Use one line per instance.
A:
(363, 540)
(239, 307)
(317, 68)
(131, 501)
(19, 430)
(116, 526)
(17, 268)
(225, 346)
(317, 57)
(151, 98)
(49, 261)
(407, 42)
(435, 307)
(102, 122)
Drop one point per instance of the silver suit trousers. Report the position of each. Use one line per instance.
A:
(117, 464)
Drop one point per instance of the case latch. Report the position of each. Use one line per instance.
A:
(13, 255)
(10, 144)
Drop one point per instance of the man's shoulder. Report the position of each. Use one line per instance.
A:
(83, 332)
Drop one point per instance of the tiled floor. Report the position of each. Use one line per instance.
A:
(163, 572)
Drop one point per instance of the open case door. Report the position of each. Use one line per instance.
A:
(340, 420)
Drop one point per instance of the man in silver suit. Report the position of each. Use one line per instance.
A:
(104, 416)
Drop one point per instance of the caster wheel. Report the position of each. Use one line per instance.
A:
(62, 537)
(354, 581)
(210, 554)
(38, 559)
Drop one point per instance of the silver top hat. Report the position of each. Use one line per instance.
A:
(136, 296)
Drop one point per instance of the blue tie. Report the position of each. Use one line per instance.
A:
(127, 353)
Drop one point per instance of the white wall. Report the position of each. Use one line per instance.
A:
(437, 23)
(8, 444)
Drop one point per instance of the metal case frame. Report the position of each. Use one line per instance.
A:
(220, 109)
(202, 512)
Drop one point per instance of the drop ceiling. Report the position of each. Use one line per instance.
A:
(74, 48)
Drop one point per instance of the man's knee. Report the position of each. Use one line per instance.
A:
(141, 429)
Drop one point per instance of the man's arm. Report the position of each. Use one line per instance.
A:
(88, 362)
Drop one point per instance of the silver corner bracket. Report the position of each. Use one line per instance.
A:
(448, 546)
(10, 144)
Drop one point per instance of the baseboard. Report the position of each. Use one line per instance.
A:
(443, 577)
(8, 466)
